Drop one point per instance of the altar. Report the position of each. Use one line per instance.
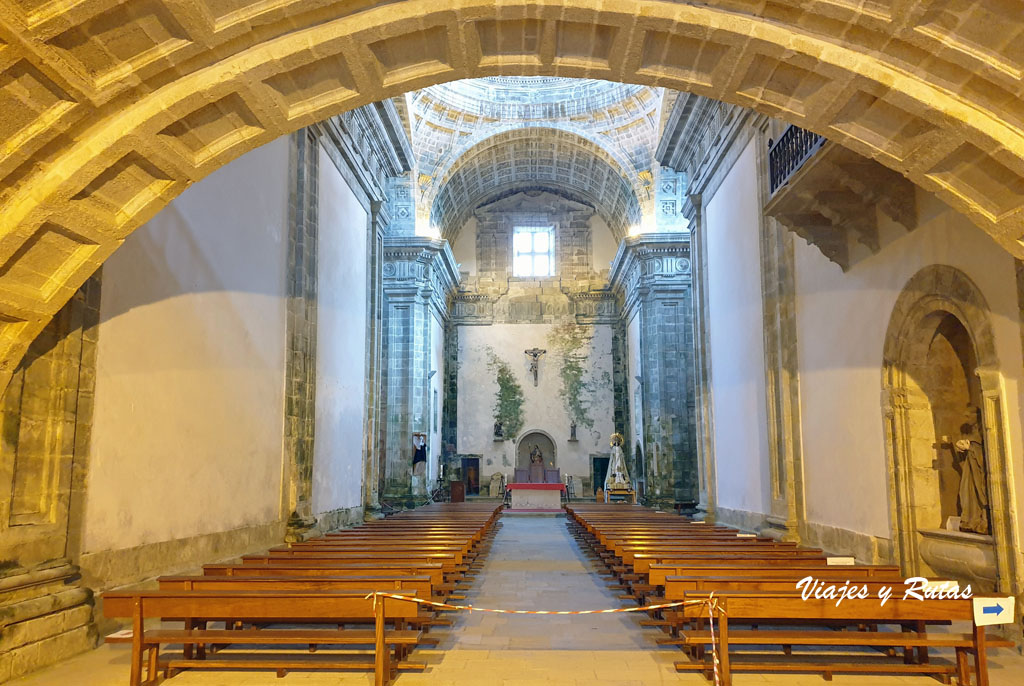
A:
(536, 497)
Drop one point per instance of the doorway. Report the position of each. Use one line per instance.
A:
(471, 475)
(598, 471)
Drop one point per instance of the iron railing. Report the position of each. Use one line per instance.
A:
(788, 154)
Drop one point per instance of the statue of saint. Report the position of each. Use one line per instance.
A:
(618, 477)
(536, 456)
(970, 453)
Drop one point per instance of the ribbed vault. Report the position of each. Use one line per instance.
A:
(535, 156)
(110, 109)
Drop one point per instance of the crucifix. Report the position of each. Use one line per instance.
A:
(534, 354)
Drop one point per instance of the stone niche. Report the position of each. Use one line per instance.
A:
(943, 409)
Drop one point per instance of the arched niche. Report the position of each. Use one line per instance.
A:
(541, 439)
(940, 358)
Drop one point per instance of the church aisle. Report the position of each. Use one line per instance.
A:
(533, 564)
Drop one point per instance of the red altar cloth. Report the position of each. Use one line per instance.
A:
(536, 487)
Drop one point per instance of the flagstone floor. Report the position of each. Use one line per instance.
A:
(534, 564)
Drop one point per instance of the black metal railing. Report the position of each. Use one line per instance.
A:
(788, 154)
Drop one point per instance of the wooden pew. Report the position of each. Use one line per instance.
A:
(762, 608)
(266, 607)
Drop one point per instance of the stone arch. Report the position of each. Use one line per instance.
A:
(935, 297)
(110, 110)
(510, 159)
(523, 442)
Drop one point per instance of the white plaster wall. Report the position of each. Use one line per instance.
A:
(436, 409)
(602, 243)
(188, 420)
(841, 325)
(543, 408)
(464, 248)
(737, 349)
(341, 344)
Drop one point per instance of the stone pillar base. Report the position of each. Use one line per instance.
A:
(47, 619)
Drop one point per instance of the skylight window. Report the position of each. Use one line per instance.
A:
(533, 251)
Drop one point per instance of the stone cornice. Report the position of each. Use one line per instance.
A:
(420, 266)
(368, 145)
(650, 264)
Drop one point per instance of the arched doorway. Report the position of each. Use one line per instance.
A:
(542, 441)
(942, 410)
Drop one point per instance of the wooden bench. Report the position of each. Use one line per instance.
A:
(761, 608)
(199, 607)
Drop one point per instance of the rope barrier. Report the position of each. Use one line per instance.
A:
(711, 602)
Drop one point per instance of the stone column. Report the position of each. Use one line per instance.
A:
(707, 489)
(782, 373)
(372, 464)
(300, 361)
(419, 279)
(651, 275)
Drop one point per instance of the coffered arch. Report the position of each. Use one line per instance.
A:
(108, 109)
(531, 157)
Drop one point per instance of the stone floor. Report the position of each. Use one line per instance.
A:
(534, 564)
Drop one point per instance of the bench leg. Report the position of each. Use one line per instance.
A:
(723, 650)
(963, 672)
(381, 657)
(135, 677)
(152, 668)
(980, 657)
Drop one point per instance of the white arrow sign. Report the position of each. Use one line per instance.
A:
(988, 611)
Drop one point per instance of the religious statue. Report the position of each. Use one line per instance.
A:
(970, 453)
(419, 463)
(499, 430)
(618, 477)
(534, 354)
(536, 465)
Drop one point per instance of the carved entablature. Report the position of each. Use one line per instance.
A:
(594, 307)
(418, 266)
(473, 309)
(652, 262)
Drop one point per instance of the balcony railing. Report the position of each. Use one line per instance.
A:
(788, 154)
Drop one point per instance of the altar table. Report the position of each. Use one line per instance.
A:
(527, 496)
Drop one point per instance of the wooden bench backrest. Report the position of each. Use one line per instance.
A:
(419, 585)
(658, 572)
(791, 606)
(642, 562)
(223, 605)
(433, 571)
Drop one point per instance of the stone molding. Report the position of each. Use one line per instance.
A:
(422, 267)
(866, 548)
(659, 261)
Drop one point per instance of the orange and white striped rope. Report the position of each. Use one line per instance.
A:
(710, 602)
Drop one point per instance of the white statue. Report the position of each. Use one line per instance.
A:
(618, 477)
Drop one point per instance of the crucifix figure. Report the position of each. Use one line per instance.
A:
(535, 354)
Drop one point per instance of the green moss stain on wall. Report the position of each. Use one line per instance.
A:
(571, 343)
(508, 402)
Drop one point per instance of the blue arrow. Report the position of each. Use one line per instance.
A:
(996, 610)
